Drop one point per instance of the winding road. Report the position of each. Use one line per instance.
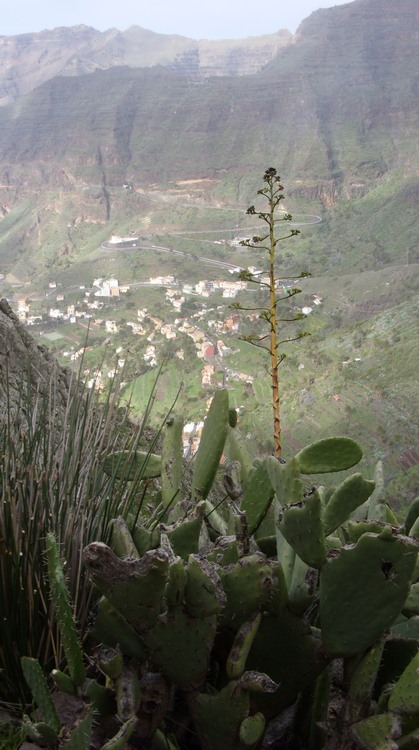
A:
(307, 219)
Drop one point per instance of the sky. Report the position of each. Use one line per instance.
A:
(209, 19)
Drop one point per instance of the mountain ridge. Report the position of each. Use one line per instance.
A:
(173, 160)
(338, 120)
(29, 60)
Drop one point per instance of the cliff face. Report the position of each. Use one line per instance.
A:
(335, 110)
(26, 367)
(29, 60)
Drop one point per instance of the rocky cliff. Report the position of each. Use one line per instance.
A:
(28, 373)
(28, 60)
(335, 110)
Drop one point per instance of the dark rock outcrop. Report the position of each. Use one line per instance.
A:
(27, 371)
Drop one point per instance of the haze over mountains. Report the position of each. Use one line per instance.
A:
(31, 59)
(136, 132)
(336, 107)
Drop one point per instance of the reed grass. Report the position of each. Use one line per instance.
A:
(51, 480)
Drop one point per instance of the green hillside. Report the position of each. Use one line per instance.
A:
(174, 160)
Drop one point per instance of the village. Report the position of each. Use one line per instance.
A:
(212, 330)
(91, 306)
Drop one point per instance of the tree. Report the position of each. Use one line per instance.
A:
(272, 192)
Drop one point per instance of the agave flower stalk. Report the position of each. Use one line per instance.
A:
(273, 193)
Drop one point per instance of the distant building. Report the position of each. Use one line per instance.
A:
(206, 374)
(124, 241)
(209, 350)
(150, 356)
(162, 280)
(167, 330)
(106, 287)
(55, 313)
(222, 348)
(22, 310)
(137, 328)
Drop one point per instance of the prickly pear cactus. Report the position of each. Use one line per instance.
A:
(329, 455)
(135, 588)
(219, 716)
(352, 493)
(180, 646)
(35, 678)
(211, 445)
(130, 465)
(194, 614)
(302, 526)
(59, 595)
(171, 461)
(249, 586)
(363, 588)
(257, 497)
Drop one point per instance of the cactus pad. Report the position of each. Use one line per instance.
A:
(302, 527)
(242, 644)
(377, 732)
(204, 593)
(252, 729)
(353, 492)
(211, 445)
(184, 536)
(257, 497)
(405, 696)
(134, 588)
(171, 461)
(35, 678)
(250, 584)
(180, 646)
(362, 590)
(218, 717)
(112, 629)
(131, 465)
(329, 455)
(285, 480)
(293, 663)
(64, 613)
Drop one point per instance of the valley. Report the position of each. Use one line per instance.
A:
(209, 268)
(124, 184)
(140, 305)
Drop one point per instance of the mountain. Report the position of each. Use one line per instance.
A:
(28, 60)
(336, 109)
(102, 145)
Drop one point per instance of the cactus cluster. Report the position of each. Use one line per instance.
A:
(219, 618)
